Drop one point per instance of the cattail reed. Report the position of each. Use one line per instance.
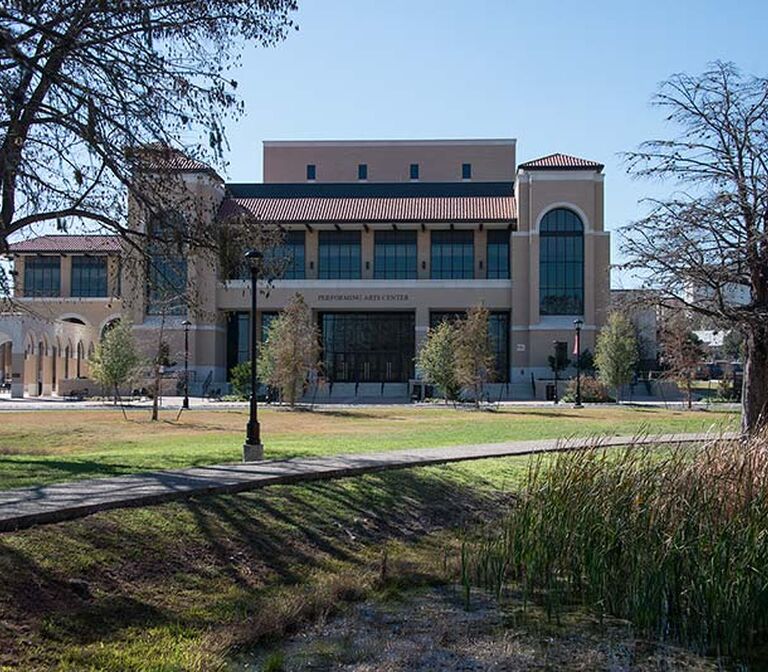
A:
(674, 539)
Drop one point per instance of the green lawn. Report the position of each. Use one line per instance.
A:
(39, 447)
(188, 585)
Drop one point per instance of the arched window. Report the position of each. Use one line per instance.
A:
(80, 355)
(561, 263)
(67, 356)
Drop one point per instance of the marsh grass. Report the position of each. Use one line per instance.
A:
(675, 540)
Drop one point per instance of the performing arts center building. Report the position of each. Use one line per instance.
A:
(384, 239)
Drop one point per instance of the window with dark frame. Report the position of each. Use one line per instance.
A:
(166, 265)
(395, 255)
(466, 171)
(362, 171)
(311, 171)
(561, 263)
(89, 276)
(285, 261)
(498, 332)
(239, 336)
(368, 347)
(42, 276)
(414, 171)
(452, 255)
(497, 254)
(338, 255)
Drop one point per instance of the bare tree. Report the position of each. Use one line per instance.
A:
(98, 96)
(682, 352)
(696, 246)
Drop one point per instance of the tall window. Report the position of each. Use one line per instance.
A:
(453, 255)
(368, 347)
(362, 171)
(466, 171)
(311, 171)
(414, 171)
(42, 276)
(167, 265)
(395, 255)
(89, 276)
(239, 336)
(561, 263)
(339, 255)
(497, 253)
(287, 258)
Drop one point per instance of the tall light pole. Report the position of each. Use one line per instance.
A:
(556, 366)
(253, 448)
(577, 351)
(186, 324)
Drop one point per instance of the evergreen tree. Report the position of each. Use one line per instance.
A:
(616, 353)
(437, 359)
(116, 359)
(475, 360)
(291, 350)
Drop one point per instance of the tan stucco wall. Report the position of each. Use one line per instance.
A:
(389, 161)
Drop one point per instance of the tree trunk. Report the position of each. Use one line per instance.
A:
(754, 395)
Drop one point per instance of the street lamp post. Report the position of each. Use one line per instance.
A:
(577, 351)
(253, 449)
(556, 367)
(186, 324)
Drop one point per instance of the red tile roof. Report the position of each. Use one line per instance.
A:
(561, 162)
(373, 209)
(67, 244)
(161, 157)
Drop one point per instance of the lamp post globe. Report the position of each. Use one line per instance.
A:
(577, 351)
(186, 324)
(253, 449)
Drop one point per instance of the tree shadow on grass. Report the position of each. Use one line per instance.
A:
(228, 548)
(59, 470)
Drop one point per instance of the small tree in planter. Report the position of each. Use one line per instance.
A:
(616, 352)
(475, 361)
(291, 351)
(437, 360)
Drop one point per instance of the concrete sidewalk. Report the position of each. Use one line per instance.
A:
(64, 501)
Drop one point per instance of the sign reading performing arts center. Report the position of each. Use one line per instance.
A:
(362, 297)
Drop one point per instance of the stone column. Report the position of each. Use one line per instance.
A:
(366, 254)
(423, 254)
(310, 254)
(48, 364)
(66, 275)
(481, 246)
(17, 374)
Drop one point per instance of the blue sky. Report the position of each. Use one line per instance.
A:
(574, 77)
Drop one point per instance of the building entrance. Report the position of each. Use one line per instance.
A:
(368, 347)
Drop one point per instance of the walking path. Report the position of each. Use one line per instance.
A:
(64, 501)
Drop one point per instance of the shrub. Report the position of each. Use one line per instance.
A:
(240, 378)
(672, 539)
(592, 391)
